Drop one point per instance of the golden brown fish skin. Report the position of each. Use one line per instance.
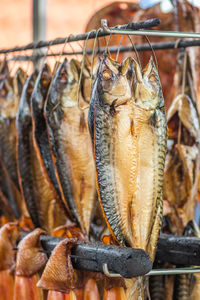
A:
(182, 162)
(71, 145)
(10, 94)
(40, 136)
(24, 148)
(182, 287)
(8, 193)
(110, 85)
(150, 127)
(137, 120)
(56, 211)
(53, 115)
(36, 192)
(8, 124)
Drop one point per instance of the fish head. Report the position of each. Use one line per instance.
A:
(6, 95)
(45, 80)
(45, 76)
(69, 81)
(147, 92)
(19, 81)
(114, 80)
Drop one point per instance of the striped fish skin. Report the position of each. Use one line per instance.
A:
(41, 142)
(128, 127)
(182, 287)
(24, 149)
(70, 141)
(10, 94)
(110, 89)
(8, 193)
(38, 196)
(182, 162)
(150, 127)
(8, 126)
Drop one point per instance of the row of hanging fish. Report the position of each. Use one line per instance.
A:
(128, 129)
(57, 163)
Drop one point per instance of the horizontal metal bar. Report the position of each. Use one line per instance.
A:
(127, 262)
(175, 271)
(81, 37)
(162, 33)
(178, 250)
(114, 49)
(130, 262)
(157, 33)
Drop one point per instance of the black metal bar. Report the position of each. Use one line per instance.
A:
(84, 36)
(89, 256)
(114, 49)
(129, 262)
(179, 250)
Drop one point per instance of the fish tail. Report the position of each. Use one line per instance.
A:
(135, 288)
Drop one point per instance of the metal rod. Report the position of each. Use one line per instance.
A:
(158, 33)
(82, 37)
(175, 271)
(114, 49)
(149, 32)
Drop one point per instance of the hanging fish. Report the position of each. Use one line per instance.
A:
(41, 143)
(128, 128)
(39, 198)
(66, 117)
(182, 162)
(10, 92)
(34, 187)
(129, 133)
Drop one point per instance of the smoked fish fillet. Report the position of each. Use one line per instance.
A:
(128, 128)
(70, 143)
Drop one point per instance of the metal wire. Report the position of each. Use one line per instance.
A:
(156, 272)
(174, 271)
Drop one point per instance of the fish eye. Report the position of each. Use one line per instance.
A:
(107, 74)
(152, 78)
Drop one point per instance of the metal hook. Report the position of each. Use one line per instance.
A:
(108, 274)
(104, 25)
(177, 43)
